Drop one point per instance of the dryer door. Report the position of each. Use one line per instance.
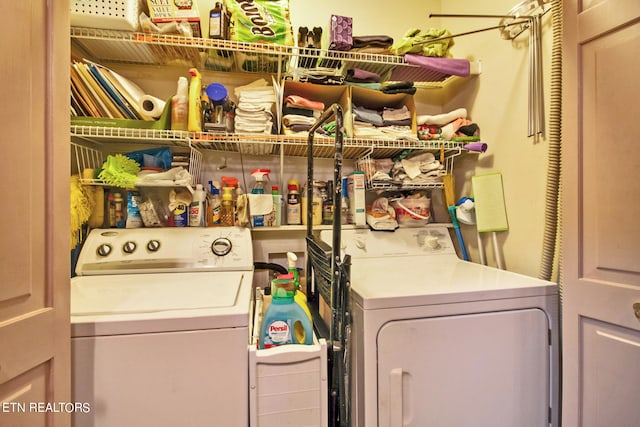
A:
(488, 369)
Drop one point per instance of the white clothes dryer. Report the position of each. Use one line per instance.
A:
(437, 341)
(160, 325)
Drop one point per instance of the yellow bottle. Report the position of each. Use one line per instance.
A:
(195, 104)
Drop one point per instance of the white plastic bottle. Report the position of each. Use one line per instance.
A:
(293, 203)
(180, 106)
(197, 208)
(214, 205)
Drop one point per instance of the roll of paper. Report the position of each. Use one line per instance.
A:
(152, 106)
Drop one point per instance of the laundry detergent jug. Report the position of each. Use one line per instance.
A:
(284, 322)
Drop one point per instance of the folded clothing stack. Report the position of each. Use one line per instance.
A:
(447, 126)
(421, 168)
(254, 109)
(299, 114)
(394, 123)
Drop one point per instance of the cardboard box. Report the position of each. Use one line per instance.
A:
(377, 100)
(355, 191)
(163, 11)
(327, 94)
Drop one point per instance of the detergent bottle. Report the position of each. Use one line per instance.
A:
(284, 322)
(194, 117)
(197, 208)
(261, 176)
(214, 205)
(277, 206)
(293, 203)
(180, 106)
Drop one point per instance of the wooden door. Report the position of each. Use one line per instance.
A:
(34, 254)
(601, 217)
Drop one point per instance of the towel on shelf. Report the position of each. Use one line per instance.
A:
(260, 204)
(442, 119)
(367, 115)
(302, 102)
(253, 112)
(448, 66)
(362, 76)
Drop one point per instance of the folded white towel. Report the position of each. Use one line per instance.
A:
(383, 223)
(260, 204)
(442, 119)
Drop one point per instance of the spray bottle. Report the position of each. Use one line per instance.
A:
(261, 176)
(180, 106)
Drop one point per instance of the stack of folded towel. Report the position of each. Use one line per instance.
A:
(387, 123)
(254, 109)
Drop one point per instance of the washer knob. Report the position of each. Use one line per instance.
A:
(221, 246)
(433, 242)
(129, 247)
(104, 250)
(153, 245)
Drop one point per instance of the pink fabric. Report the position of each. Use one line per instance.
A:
(300, 102)
(451, 66)
(432, 69)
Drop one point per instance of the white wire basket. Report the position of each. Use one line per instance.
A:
(106, 14)
(85, 158)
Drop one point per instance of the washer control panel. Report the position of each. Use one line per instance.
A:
(114, 251)
(364, 243)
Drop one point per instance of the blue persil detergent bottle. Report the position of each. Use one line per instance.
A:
(284, 322)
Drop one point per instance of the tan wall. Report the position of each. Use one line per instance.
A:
(497, 101)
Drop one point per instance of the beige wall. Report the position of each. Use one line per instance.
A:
(497, 101)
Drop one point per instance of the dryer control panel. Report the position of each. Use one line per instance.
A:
(152, 250)
(364, 243)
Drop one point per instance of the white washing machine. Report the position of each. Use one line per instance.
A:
(160, 325)
(437, 341)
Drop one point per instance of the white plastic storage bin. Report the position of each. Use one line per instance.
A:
(287, 384)
(107, 14)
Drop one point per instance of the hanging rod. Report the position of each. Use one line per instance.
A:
(495, 27)
(453, 15)
(522, 20)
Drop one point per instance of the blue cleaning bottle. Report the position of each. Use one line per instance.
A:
(258, 188)
(284, 322)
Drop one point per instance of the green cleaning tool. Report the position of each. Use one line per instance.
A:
(119, 171)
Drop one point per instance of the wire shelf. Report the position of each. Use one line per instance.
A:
(264, 144)
(227, 55)
(444, 151)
